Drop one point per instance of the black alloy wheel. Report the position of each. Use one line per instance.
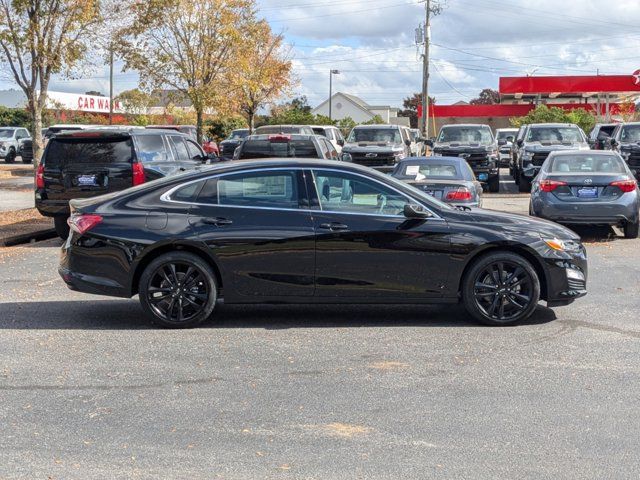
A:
(501, 288)
(178, 290)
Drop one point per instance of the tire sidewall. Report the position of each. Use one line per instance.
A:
(11, 156)
(185, 257)
(469, 282)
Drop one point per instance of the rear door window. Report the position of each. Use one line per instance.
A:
(151, 148)
(195, 153)
(84, 151)
(179, 147)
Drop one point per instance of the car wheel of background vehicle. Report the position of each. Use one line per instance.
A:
(11, 156)
(178, 290)
(524, 185)
(501, 288)
(531, 212)
(61, 226)
(494, 184)
(631, 229)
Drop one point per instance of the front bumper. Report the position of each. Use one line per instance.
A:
(566, 276)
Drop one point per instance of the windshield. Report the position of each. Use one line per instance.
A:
(504, 134)
(465, 135)
(587, 164)
(433, 170)
(375, 135)
(554, 135)
(269, 149)
(6, 132)
(238, 134)
(630, 133)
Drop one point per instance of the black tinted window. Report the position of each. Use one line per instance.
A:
(151, 148)
(180, 149)
(268, 149)
(194, 150)
(61, 152)
(188, 193)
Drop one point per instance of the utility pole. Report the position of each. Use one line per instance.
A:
(331, 74)
(425, 69)
(110, 84)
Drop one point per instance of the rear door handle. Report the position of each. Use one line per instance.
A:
(217, 221)
(334, 226)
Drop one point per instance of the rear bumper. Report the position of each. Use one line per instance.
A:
(545, 205)
(52, 208)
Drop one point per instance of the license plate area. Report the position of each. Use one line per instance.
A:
(588, 192)
(483, 177)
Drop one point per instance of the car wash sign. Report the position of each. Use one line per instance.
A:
(81, 102)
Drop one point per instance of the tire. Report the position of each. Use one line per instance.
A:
(11, 156)
(494, 184)
(631, 229)
(531, 212)
(524, 185)
(61, 226)
(488, 295)
(164, 298)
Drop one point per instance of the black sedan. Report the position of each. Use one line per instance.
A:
(449, 179)
(312, 231)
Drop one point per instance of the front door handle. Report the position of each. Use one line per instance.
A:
(217, 221)
(334, 226)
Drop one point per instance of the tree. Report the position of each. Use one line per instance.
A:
(135, 101)
(544, 114)
(410, 105)
(346, 125)
(486, 97)
(264, 73)
(39, 38)
(295, 112)
(377, 120)
(191, 46)
(221, 127)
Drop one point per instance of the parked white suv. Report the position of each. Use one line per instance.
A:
(11, 139)
(333, 134)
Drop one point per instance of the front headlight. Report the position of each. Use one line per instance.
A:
(568, 246)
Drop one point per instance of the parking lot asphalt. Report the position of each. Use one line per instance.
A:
(90, 390)
(16, 186)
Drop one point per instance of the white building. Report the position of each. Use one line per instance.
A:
(344, 105)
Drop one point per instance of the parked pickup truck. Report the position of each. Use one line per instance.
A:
(377, 146)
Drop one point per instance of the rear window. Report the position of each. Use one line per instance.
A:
(62, 152)
(268, 149)
(421, 171)
(587, 164)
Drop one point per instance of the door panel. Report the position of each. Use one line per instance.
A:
(366, 247)
(263, 242)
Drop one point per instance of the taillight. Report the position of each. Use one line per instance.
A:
(138, 173)
(82, 223)
(551, 185)
(625, 185)
(280, 138)
(40, 176)
(462, 193)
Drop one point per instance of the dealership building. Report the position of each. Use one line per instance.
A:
(607, 96)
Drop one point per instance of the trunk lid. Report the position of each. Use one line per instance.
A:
(588, 187)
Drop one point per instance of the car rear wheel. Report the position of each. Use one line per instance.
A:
(11, 156)
(61, 226)
(501, 288)
(631, 229)
(178, 290)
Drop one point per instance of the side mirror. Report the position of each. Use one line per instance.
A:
(412, 210)
(519, 142)
(502, 142)
(407, 142)
(346, 157)
(341, 142)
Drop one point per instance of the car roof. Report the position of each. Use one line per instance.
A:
(510, 129)
(597, 153)
(282, 125)
(629, 123)
(169, 126)
(293, 136)
(432, 159)
(385, 126)
(111, 132)
(552, 125)
(466, 125)
(322, 126)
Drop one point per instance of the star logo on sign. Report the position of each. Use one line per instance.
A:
(636, 77)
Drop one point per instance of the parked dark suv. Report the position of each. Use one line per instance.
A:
(476, 144)
(229, 144)
(87, 163)
(285, 146)
(626, 140)
(535, 144)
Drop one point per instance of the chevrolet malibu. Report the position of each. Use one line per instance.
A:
(312, 231)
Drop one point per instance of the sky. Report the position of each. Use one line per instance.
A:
(474, 42)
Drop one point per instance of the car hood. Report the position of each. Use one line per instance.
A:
(463, 146)
(520, 224)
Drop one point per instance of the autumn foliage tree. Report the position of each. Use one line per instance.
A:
(40, 38)
(263, 73)
(194, 47)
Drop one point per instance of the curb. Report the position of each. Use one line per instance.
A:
(23, 238)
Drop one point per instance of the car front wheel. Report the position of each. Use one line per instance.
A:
(178, 290)
(11, 156)
(501, 288)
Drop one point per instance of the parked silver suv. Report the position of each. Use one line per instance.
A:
(11, 140)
